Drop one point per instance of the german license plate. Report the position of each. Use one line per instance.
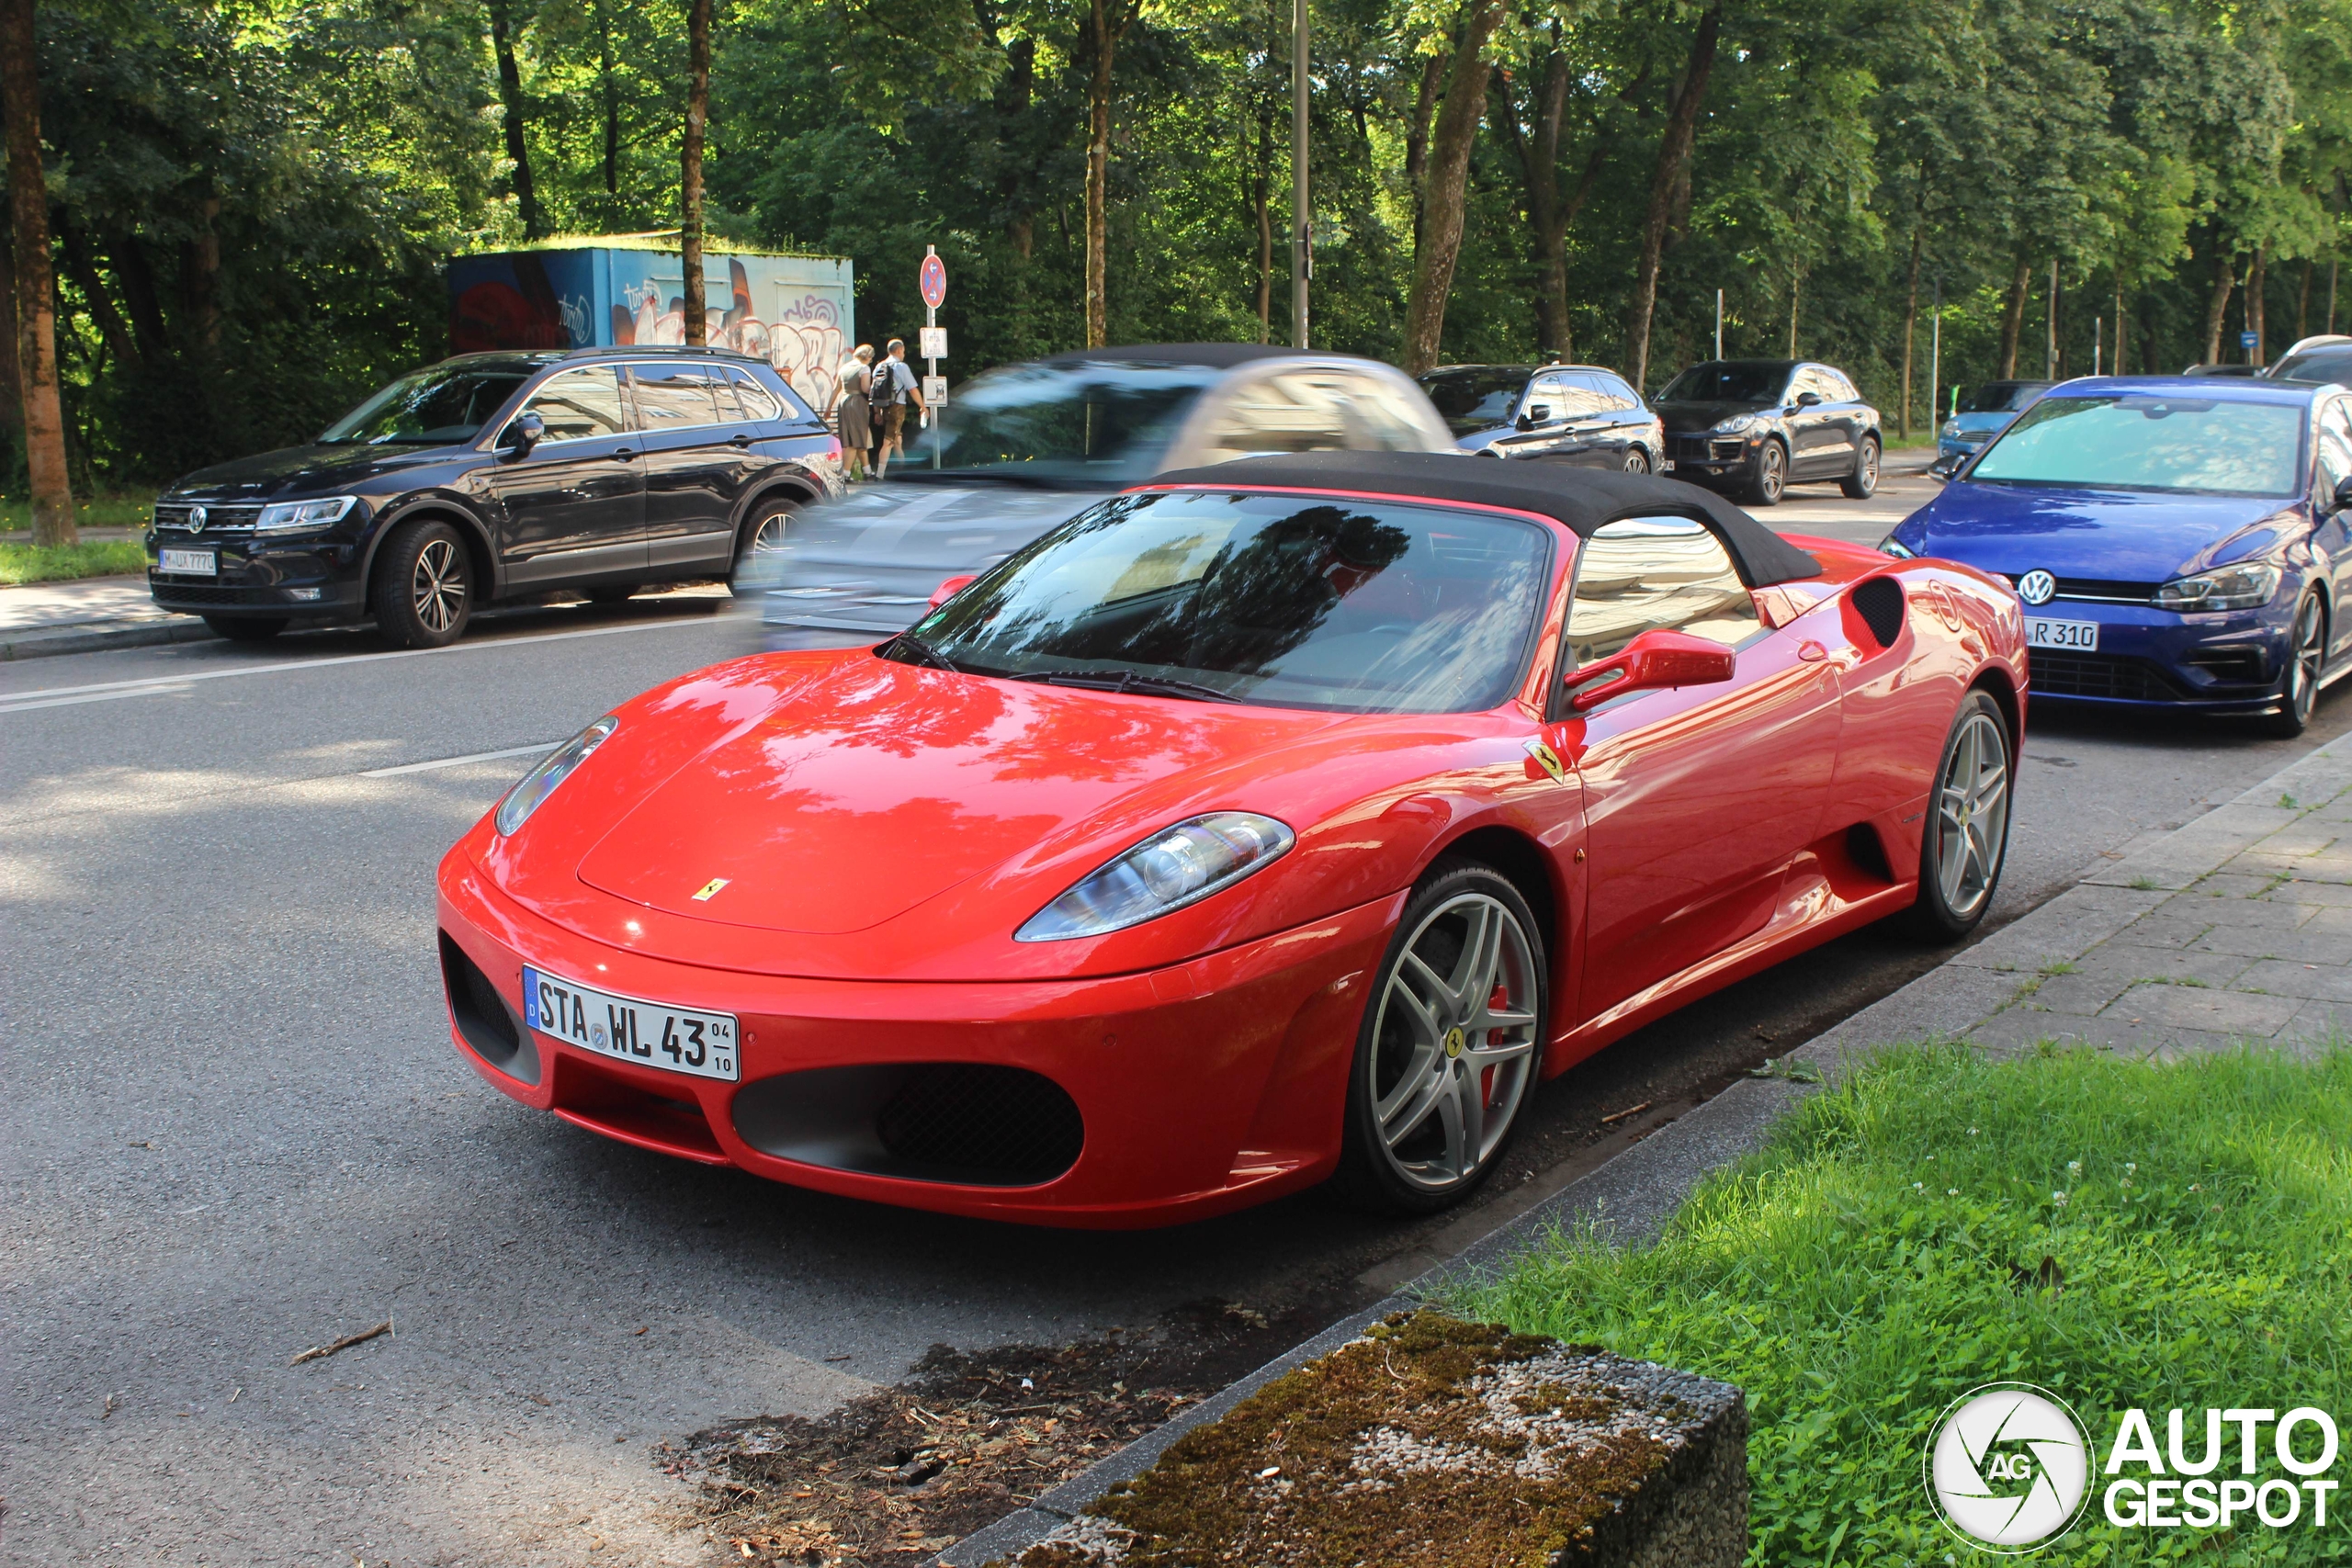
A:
(203, 563)
(651, 1034)
(1666, 467)
(2080, 635)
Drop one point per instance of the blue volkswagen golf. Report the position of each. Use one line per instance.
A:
(2180, 544)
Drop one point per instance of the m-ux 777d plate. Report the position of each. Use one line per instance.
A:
(651, 1034)
(2081, 637)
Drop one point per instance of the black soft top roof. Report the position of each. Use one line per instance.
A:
(1583, 499)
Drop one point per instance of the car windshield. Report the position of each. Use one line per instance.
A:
(1276, 600)
(2333, 363)
(1719, 381)
(1475, 397)
(2187, 445)
(1093, 422)
(435, 407)
(1999, 397)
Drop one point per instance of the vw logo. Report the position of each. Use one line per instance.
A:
(2008, 1467)
(196, 516)
(2037, 586)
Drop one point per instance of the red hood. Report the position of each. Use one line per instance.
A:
(878, 785)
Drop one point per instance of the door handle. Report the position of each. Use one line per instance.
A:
(738, 441)
(623, 453)
(1812, 652)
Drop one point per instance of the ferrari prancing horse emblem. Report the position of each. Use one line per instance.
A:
(710, 890)
(1548, 760)
(1456, 1042)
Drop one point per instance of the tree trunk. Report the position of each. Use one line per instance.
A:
(2331, 294)
(200, 278)
(12, 408)
(1910, 329)
(2254, 277)
(510, 101)
(2120, 333)
(1796, 299)
(1107, 23)
(612, 102)
(2217, 307)
(690, 166)
(2013, 319)
(1448, 179)
(1416, 138)
(35, 302)
(1261, 185)
(1673, 155)
(2303, 304)
(82, 269)
(1547, 214)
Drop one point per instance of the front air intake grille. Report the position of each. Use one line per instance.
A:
(2056, 674)
(173, 594)
(2243, 665)
(481, 1015)
(2105, 591)
(1879, 601)
(216, 519)
(1019, 1127)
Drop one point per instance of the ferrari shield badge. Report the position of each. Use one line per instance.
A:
(710, 890)
(1547, 760)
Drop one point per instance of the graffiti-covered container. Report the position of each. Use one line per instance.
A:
(796, 311)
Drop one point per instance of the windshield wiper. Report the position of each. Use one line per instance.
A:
(1127, 680)
(925, 651)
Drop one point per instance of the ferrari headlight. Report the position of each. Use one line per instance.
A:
(1181, 865)
(1735, 424)
(532, 788)
(2240, 587)
(287, 516)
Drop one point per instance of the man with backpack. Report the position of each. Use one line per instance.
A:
(894, 385)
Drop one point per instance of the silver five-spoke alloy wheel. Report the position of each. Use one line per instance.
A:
(1972, 814)
(2310, 662)
(1453, 1044)
(437, 586)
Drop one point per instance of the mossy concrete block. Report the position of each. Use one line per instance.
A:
(1444, 1444)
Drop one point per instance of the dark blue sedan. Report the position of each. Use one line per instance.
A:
(2178, 543)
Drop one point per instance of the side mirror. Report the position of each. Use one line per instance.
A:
(1807, 399)
(1651, 661)
(2343, 494)
(1537, 413)
(522, 431)
(952, 587)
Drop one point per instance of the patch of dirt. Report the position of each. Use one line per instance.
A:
(1430, 1441)
(968, 1437)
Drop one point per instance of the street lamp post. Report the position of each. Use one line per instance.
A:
(1302, 256)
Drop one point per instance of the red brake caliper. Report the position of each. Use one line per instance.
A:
(1495, 1003)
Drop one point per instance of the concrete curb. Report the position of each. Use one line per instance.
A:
(1630, 1199)
(78, 640)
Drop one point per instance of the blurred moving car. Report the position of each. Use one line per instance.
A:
(497, 476)
(2178, 542)
(2225, 371)
(1756, 426)
(1023, 448)
(2327, 357)
(1582, 414)
(1276, 821)
(1982, 413)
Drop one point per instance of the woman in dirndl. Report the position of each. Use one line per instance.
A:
(852, 412)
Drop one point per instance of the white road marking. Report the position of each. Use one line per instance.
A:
(460, 761)
(177, 685)
(48, 697)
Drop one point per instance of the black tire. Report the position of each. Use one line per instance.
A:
(1862, 483)
(1422, 1052)
(246, 629)
(1771, 481)
(611, 592)
(1638, 459)
(2306, 662)
(1958, 875)
(423, 590)
(764, 530)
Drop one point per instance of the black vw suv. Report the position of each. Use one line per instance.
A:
(498, 476)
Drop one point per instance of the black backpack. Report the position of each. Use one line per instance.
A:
(886, 383)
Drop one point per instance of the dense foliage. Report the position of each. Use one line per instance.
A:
(253, 198)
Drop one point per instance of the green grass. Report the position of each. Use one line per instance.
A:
(43, 563)
(1856, 1276)
(126, 511)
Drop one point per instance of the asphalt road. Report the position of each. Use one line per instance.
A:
(237, 1129)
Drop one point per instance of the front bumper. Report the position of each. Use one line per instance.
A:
(1710, 460)
(312, 576)
(1202, 1088)
(2223, 662)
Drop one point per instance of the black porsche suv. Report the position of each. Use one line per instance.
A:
(496, 476)
(1756, 426)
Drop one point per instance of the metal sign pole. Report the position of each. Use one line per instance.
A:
(1936, 355)
(1719, 323)
(1302, 263)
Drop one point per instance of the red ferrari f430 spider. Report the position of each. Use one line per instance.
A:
(1275, 823)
